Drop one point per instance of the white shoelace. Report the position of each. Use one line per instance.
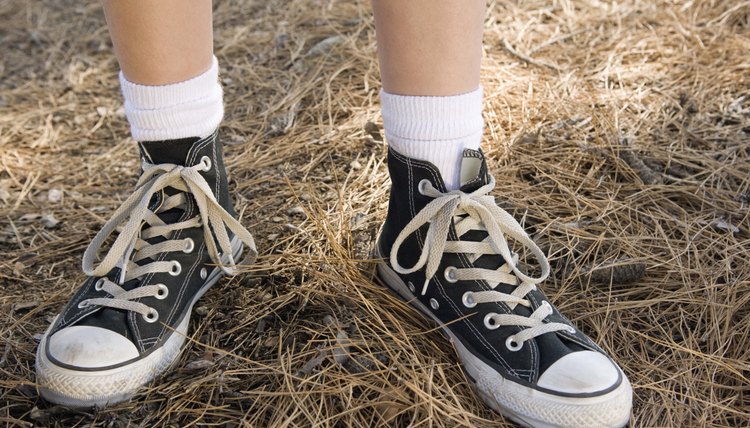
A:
(481, 213)
(131, 246)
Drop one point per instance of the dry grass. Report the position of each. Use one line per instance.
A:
(618, 133)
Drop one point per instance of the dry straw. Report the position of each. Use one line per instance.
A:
(618, 133)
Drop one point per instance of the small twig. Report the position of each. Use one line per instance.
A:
(527, 59)
(648, 175)
(340, 351)
(620, 271)
(4, 358)
(15, 232)
(313, 363)
(554, 40)
(360, 364)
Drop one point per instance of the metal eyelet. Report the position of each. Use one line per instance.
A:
(83, 304)
(176, 268)
(434, 304)
(99, 284)
(204, 273)
(468, 299)
(489, 321)
(422, 186)
(151, 316)
(512, 344)
(451, 274)
(411, 287)
(206, 163)
(163, 292)
(189, 247)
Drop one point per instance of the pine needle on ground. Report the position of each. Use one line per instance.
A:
(618, 134)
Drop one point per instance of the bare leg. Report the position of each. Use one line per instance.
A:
(430, 52)
(158, 42)
(169, 75)
(429, 47)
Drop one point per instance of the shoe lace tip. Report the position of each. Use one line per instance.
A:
(424, 287)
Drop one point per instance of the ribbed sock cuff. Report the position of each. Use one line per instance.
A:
(193, 108)
(434, 129)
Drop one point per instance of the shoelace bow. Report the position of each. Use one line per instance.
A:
(482, 213)
(131, 245)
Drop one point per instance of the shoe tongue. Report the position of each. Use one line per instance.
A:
(170, 151)
(474, 172)
(166, 152)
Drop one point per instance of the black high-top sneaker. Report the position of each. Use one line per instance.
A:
(127, 323)
(446, 253)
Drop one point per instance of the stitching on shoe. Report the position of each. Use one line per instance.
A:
(586, 342)
(501, 306)
(151, 341)
(418, 234)
(187, 214)
(505, 309)
(73, 308)
(199, 258)
(183, 287)
(533, 346)
(215, 166)
(146, 154)
(412, 209)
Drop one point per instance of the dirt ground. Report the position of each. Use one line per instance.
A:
(618, 133)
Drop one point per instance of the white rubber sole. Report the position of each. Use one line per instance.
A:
(99, 388)
(526, 406)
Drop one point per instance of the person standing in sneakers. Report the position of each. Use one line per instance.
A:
(443, 245)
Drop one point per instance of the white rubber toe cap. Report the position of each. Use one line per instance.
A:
(90, 347)
(580, 373)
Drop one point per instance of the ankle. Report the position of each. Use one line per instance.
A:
(434, 129)
(193, 108)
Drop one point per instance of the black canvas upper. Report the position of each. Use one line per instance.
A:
(536, 355)
(183, 287)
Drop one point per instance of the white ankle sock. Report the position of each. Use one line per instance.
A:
(193, 108)
(434, 129)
